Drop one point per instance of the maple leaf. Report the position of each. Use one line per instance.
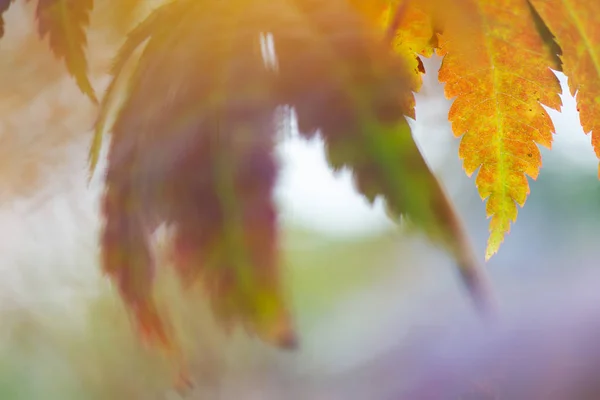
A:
(4, 5)
(497, 69)
(65, 21)
(574, 25)
(156, 23)
(194, 139)
(341, 79)
(412, 33)
(127, 256)
(414, 26)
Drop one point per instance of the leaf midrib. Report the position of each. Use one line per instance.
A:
(499, 136)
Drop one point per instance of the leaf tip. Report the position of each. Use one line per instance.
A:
(286, 338)
(94, 151)
(281, 333)
(86, 88)
(493, 246)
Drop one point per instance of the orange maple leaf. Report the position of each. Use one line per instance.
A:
(497, 69)
(575, 25)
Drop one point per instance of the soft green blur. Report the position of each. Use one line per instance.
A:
(96, 356)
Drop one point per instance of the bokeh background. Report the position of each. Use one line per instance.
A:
(370, 300)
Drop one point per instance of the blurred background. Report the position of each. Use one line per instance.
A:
(371, 302)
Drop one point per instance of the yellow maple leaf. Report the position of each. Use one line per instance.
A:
(497, 69)
(413, 34)
(415, 29)
(575, 25)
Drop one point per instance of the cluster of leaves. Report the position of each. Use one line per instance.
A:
(194, 131)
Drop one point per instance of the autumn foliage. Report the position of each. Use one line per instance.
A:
(193, 110)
